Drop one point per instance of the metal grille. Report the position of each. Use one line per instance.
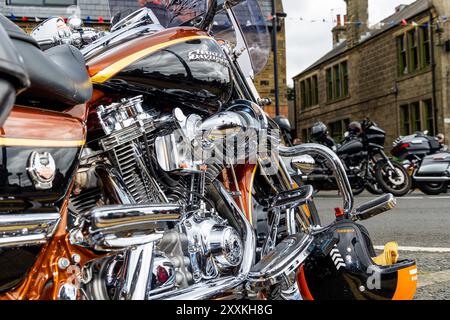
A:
(86, 200)
(139, 182)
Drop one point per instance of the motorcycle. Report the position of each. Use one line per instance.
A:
(427, 161)
(366, 164)
(115, 183)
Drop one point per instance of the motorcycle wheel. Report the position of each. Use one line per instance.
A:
(374, 189)
(357, 191)
(433, 189)
(399, 185)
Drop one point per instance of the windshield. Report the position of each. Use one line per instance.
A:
(170, 13)
(254, 28)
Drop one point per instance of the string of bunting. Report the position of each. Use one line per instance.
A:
(439, 21)
(88, 19)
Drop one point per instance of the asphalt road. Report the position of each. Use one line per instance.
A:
(418, 221)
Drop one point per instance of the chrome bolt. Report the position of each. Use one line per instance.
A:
(63, 263)
(76, 258)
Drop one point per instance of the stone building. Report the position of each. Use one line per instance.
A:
(395, 73)
(28, 13)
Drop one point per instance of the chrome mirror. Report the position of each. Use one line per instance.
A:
(75, 23)
(306, 164)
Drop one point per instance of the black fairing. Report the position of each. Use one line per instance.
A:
(327, 281)
(180, 75)
(18, 195)
(375, 136)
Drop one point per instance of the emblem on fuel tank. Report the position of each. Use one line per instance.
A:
(42, 169)
(204, 55)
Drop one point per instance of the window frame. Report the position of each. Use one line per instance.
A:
(414, 42)
(342, 124)
(338, 81)
(417, 116)
(309, 92)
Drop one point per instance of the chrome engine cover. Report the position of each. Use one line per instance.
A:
(214, 246)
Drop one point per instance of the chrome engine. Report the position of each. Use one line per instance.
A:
(155, 161)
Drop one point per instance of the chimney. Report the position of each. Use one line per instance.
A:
(339, 31)
(358, 17)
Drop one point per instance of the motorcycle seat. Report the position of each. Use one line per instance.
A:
(58, 76)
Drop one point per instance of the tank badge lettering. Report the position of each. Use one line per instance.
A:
(203, 55)
(41, 169)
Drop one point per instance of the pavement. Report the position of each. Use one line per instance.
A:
(421, 226)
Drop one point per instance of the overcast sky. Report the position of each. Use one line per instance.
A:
(307, 41)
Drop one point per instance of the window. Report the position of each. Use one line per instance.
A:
(309, 92)
(329, 85)
(403, 62)
(264, 82)
(42, 2)
(315, 90)
(405, 120)
(414, 50)
(425, 46)
(417, 116)
(305, 135)
(345, 90)
(337, 82)
(338, 128)
(429, 116)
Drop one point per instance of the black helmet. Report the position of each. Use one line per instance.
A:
(318, 130)
(355, 127)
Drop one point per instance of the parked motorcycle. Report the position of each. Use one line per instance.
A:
(366, 164)
(123, 190)
(427, 161)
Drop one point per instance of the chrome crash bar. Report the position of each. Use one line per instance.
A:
(334, 164)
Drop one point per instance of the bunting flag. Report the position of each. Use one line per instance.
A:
(404, 22)
(379, 25)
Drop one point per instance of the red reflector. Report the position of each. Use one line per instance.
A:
(162, 275)
(404, 146)
(339, 212)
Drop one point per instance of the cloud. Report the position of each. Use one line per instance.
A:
(307, 41)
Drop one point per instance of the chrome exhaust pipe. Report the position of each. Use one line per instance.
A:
(118, 227)
(432, 179)
(27, 229)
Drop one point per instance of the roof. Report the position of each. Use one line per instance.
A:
(386, 24)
